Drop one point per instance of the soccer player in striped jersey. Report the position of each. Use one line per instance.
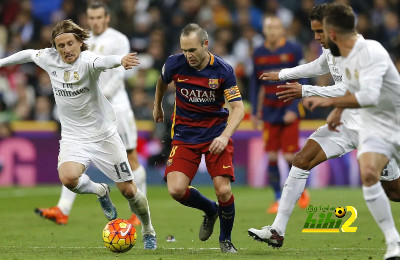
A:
(373, 86)
(281, 119)
(200, 126)
(102, 41)
(323, 144)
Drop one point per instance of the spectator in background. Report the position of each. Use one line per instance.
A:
(280, 119)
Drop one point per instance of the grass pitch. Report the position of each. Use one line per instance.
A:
(24, 235)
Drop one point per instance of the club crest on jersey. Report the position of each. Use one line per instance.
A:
(67, 74)
(213, 83)
(76, 75)
(169, 162)
(356, 74)
(348, 74)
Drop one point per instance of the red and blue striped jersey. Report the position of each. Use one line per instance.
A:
(264, 60)
(199, 114)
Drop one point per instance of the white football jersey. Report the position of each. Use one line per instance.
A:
(370, 74)
(324, 64)
(111, 82)
(85, 114)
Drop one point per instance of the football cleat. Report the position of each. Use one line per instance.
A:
(273, 209)
(392, 251)
(268, 235)
(134, 220)
(53, 214)
(227, 247)
(108, 207)
(207, 227)
(304, 200)
(150, 242)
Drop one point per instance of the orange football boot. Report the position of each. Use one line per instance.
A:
(273, 209)
(53, 214)
(304, 200)
(134, 220)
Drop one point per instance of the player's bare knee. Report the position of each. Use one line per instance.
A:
(223, 193)
(369, 175)
(301, 161)
(177, 193)
(68, 181)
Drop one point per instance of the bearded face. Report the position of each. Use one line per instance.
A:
(333, 47)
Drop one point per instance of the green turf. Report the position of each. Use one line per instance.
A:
(25, 235)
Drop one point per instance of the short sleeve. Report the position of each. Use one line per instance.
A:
(231, 90)
(166, 71)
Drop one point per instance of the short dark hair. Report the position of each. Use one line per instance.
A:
(317, 13)
(68, 26)
(98, 4)
(340, 16)
(194, 27)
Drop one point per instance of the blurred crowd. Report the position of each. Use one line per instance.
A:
(153, 28)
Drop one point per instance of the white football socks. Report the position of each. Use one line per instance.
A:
(66, 200)
(291, 192)
(140, 207)
(378, 205)
(140, 179)
(87, 186)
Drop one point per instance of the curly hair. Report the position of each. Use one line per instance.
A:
(68, 26)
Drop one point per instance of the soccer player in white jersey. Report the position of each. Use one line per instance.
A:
(88, 122)
(373, 85)
(323, 144)
(103, 41)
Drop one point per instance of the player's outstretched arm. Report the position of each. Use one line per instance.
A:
(113, 61)
(130, 60)
(237, 114)
(295, 91)
(158, 112)
(20, 57)
(271, 76)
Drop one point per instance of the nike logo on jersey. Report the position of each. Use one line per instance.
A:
(124, 233)
(226, 167)
(181, 80)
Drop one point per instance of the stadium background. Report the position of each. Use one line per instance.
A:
(29, 131)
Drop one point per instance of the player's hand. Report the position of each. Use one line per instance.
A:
(289, 117)
(333, 119)
(130, 60)
(312, 102)
(218, 144)
(158, 114)
(272, 76)
(290, 91)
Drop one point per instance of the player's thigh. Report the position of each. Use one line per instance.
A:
(335, 144)
(310, 155)
(177, 183)
(184, 160)
(127, 129)
(109, 156)
(73, 159)
(289, 137)
(371, 165)
(221, 164)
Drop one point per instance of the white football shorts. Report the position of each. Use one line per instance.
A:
(336, 144)
(376, 144)
(108, 155)
(127, 129)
